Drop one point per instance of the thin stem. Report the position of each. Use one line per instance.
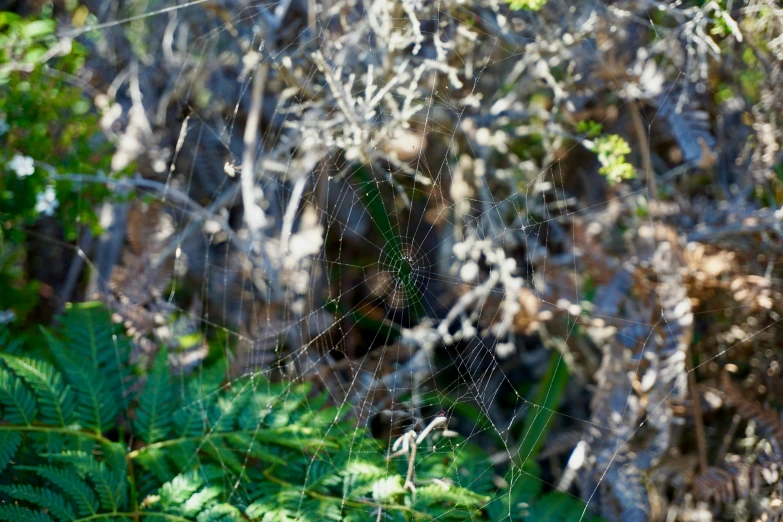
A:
(134, 515)
(132, 482)
(63, 431)
(279, 436)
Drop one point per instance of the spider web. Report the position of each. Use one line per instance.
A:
(390, 257)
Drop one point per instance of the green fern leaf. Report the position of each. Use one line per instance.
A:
(90, 333)
(95, 408)
(248, 447)
(265, 503)
(47, 442)
(154, 460)
(220, 513)
(55, 398)
(14, 513)
(322, 471)
(9, 444)
(154, 413)
(71, 484)
(189, 420)
(201, 499)
(180, 489)
(106, 483)
(18, 402)
(114, 456)
(52, 502)
(218, 451)
(450, 497)
(184, 455)
(91, 336)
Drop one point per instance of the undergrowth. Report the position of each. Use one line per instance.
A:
(86, 434)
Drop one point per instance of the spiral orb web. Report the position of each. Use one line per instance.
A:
(418, 236)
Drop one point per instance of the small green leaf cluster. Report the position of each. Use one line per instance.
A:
(611, 150)
(84, 435)
(591, 129)
(527, 5)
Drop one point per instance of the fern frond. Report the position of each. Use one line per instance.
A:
(106, 483)
(201, 499)
(247, 446)
(154, 413)
(55, 398)
(14, 513)
(265, 502)
(18, 402)
(219, 451)
(52, 502)
(9, 444)
(317, 510)
(91, 334)
(46, 442)
(180, 489)
(70, 483)
(456, 496)
(220, 513)
(155, 461)
(322, 471)
(190, 420)
(93, 409)
(229, 408)
(114, 456)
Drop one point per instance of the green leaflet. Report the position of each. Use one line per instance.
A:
(92, 409)
(18, 403)
(545, 404)
(15, 513)
(9, 443)
(55, 398)
(92, 337)
(106, 483)
(51, 501)
(154, 413)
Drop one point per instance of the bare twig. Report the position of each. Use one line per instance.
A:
(254, 214)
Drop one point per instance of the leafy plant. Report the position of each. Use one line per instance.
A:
(527, 5)
(590, 128)
(611, 150)
(48, 128)
(79, 440)
(46, 120)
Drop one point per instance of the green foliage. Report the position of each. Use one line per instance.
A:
(527, 5)
(203, 449)
(590, 128)
(46, 119)
(611, 150)
(546, 402)
(48, 130)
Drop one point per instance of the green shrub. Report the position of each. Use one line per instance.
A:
(48, 130)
